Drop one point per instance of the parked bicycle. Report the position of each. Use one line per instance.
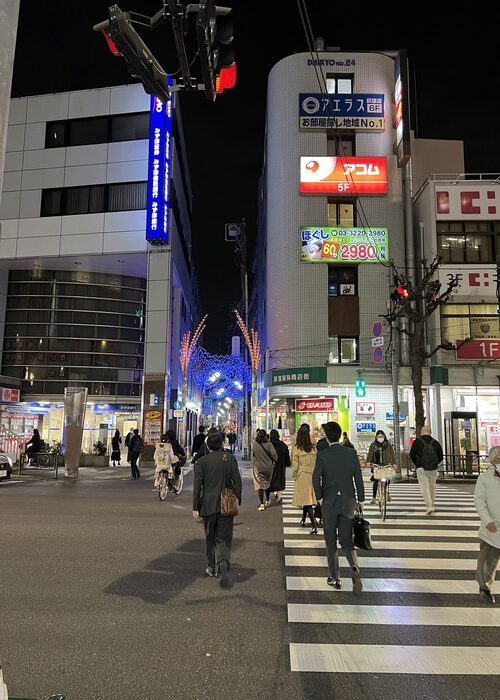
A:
(39, 460)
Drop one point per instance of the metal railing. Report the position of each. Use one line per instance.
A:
(455, 466)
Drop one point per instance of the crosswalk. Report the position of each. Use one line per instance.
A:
(419, 613)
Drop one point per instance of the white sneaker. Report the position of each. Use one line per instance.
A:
(432, 509)
(428, 511)
(262, 507)
(267, 504)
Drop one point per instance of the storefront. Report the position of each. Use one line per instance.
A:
(486, 404)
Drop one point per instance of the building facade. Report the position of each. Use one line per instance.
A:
(84, 299)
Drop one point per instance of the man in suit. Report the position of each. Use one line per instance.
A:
(213, 473)
(336, 472)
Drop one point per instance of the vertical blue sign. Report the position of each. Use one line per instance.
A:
(160, 149)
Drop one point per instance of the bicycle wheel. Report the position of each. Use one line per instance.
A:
(163, 489)
(383, 499)
(178, 484)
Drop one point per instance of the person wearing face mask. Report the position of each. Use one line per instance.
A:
(380, 454)
(487, 502)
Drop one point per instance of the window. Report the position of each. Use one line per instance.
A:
(340, 145)
(342, 281)
(343, 350)
(475, 321)
(130, 127)
(339, 83)
(341, 214)
(468, 241)
(122, 196)
(82, 132)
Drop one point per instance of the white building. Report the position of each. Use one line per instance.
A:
(84, 299)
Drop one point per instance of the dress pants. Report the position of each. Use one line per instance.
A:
(427, 480)
(133, 465)
(336, 524)
(487, 563)
(218, 538)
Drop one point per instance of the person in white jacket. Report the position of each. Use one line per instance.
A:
(164, 458)
(487, 502)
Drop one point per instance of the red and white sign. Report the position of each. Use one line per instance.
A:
(466, 202)
(338, 175)
(365, 408)
(9, 395)
(474, 280)
(314, 405)
(484, 349)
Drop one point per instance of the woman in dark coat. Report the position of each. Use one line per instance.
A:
(116, 453)
(283, 461)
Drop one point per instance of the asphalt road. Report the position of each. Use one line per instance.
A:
(104, 596)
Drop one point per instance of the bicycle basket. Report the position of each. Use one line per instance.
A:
(387, 473)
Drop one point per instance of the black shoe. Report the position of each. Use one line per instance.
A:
(313, 531)
(225, 581)
(334, 582)
(139, 475)
(357, 585)
(302, 523)
(210, 570)
(487, 595)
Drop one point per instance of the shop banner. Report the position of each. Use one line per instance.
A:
(324, 244)
(478, 349)
(478, 281)
(314, 405)
(463, 202)
(343, 175)
(9, 395)
(297, 375)
(370, 428)
(152, 426)
(360, 112)
(365, 408)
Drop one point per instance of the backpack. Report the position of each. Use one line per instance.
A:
(428, 458)
(138, 445)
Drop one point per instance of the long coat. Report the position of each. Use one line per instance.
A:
(212, 473)
(263, 458)
(283, 461)
(302, 469)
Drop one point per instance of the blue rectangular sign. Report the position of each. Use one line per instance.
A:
(366, 427)
(390, 417)
(347, 111)
(158, 193)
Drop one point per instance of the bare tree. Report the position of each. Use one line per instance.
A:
(417, 305)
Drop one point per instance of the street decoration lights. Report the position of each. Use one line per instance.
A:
(252, 341)
(188, 344)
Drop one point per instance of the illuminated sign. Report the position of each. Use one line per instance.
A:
(478, 281)
(314, 405)
(339, 175)
(457, 202)
(160, 147)
(363, 112)
(486, 349)
(340, 245)
(11, 395)
(401, 109)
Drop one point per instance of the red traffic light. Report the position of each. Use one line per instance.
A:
(402, 292)
(226, 79)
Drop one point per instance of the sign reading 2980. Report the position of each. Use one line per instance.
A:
(340, 245)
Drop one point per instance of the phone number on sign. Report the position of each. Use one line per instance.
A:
(344, 251)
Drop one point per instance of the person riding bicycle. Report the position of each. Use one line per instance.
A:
(164, 458)
(380, 454)
(34, 445)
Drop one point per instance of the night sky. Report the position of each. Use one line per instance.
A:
(454, 66)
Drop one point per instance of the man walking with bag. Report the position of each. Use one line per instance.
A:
(336, 475)
(212, 474)
(426, 454)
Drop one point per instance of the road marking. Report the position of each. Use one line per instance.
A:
(386, 585)
(367, 562)
(319, 543)
(303, 531)
(425, 520)
(385, 658)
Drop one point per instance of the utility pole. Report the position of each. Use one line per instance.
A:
(394, 372)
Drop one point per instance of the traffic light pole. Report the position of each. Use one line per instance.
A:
(394, 375)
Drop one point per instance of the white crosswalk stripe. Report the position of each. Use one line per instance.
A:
(419, 575)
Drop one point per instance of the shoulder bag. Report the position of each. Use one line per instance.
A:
(228, 498)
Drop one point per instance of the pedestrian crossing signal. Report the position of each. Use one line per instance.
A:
(360, 388)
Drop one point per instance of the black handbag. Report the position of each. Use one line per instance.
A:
(361, 532)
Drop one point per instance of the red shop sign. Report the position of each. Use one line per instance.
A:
(9, 395)
(314, 405)
(484, 349)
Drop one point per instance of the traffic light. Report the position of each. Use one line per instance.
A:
(360, 388)
(402, 291)
(214, 31)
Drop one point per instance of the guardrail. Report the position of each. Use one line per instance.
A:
(457, 466)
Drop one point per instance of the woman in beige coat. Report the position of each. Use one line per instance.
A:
(263, 458)
(303, 461)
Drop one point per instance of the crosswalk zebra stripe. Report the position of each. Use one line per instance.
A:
(393, 615)
(319, 543)
(425, 520)
(368, 562)
(386, 585)
(390, 532)
(385, 658)
(419, 508)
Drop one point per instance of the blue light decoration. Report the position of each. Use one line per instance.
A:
(220, 376)
(160, 150)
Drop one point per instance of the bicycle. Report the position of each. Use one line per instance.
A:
(168, 484)
(39, 460)
(383, 476)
